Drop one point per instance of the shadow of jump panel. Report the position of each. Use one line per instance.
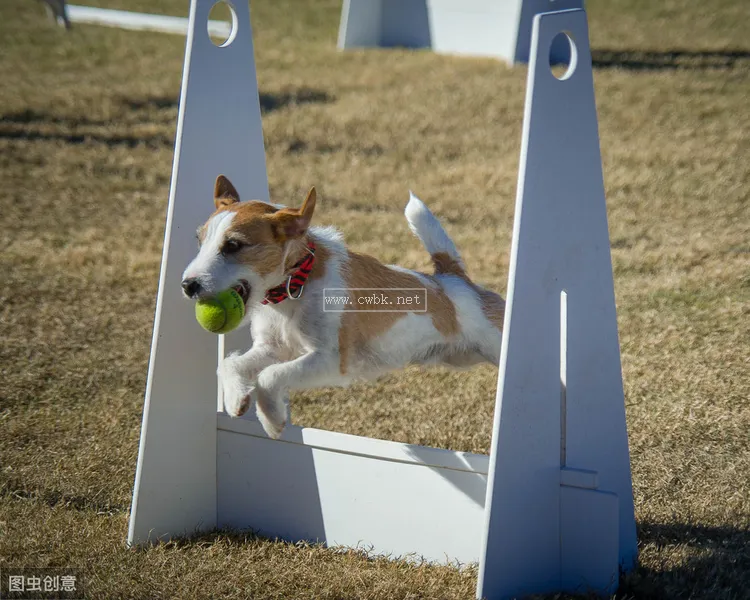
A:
(494, 28)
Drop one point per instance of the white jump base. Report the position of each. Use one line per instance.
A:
(551, 508)
(319, 481)
(124, 19)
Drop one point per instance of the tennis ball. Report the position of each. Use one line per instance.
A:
(222, 313)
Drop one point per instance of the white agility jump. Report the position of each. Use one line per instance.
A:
(551, 508)
(494, 28)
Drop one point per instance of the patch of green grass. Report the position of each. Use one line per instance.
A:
(87, 124)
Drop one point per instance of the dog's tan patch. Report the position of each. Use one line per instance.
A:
(263, 230)
(225, 194)
(493, 306)
(292, 223)
(364, 322)
(253, 227)
(445, 264)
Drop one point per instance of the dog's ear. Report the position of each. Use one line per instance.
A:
(225, 193)
(290, 223)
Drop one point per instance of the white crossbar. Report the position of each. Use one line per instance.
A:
(140, 21)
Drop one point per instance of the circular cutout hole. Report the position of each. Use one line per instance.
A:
(563, 56)
(222, 24)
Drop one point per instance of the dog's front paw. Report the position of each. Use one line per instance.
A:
(237, 398)
(237, 402)
(237, 391)
(272, 427)
(272, 413)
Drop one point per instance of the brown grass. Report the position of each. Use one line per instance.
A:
(86, 132)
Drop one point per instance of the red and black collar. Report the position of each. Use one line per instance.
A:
(295, 283)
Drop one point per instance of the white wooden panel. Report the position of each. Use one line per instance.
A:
(361, 24)
(363, 446)
(496, 28)
(579, 478)
(218, 131)
(559, 51)
(345, 490)
(404, 23)
(589, 519)
(560, 243)
(478, 28)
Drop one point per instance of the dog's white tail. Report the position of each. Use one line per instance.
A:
(436, 241)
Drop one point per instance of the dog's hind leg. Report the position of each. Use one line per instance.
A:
(463, 360)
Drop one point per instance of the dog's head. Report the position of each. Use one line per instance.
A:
(245, 245)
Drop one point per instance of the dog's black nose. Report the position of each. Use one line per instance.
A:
(191, 287)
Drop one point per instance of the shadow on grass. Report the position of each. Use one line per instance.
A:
(268, 102)
(300, 97)
(14, 489)
(645, 60)
(33, 117)
(721, 572)
(231, 537)
(31, 125)
(129, 141)
(718, 564)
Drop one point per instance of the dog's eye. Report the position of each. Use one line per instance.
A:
(231, 246)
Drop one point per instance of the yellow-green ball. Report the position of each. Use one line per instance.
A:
(222, 313)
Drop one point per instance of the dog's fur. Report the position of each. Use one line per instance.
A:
(298, 344)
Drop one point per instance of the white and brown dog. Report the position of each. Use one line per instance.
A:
(317, 312)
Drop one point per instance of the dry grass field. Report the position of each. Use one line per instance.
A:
(87, 123)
